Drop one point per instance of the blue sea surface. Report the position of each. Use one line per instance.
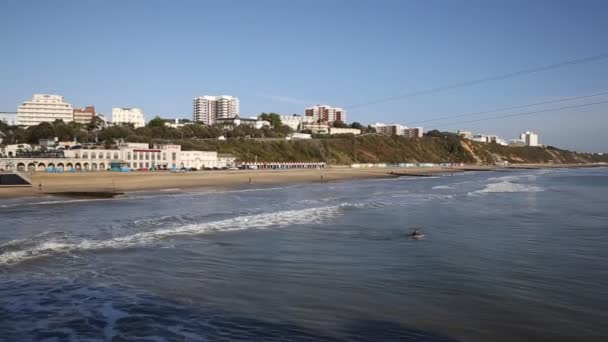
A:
(507, 256)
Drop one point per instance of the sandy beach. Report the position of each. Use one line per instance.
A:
(45, 183)
(49, 183)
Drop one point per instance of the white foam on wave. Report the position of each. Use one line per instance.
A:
(506, 187)
(442, 187)
(64, 244)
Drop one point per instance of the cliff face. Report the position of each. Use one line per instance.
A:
(377, 149)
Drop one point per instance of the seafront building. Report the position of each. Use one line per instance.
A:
(325, 113)
(133, 116)
(84, 115)
(44, 108)
(130, 155)
(207, 109)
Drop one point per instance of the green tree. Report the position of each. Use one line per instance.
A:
(156, 122)
(273, 118)
(43, 130)
(357, 125)
(339, 124)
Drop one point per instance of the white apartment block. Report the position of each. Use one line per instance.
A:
(44, 108)
(127, 116)
(295, 121)
(325, 113)
(207, 109)
(396, 129)
(529, 138)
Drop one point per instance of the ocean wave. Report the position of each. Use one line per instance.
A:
(442, 187)
(44, 245)
(506, 187)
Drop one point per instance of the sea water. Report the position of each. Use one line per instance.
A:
(507, 256)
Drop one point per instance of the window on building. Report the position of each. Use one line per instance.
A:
(115, 155)
(173, 156)
(164, 156)
(153, 157)
(100, 156)
(85, 155)
(128, 155)
(108, 155)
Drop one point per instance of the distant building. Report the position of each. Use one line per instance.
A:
(176, 123)
(315, 128)
(84, 115)
(415, 132)
(295, 121)
(465, 134)
(529, 138)
(337, 130)
(9, 118)
(207, 109)
(44, 108)
(299, 136)
(516, 143)
(396, 129)
(325, 113)
(133, 116)
(237, 121)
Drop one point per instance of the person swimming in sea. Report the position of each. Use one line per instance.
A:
(416, 234)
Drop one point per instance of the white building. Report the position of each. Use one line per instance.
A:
(529, 138)
(176, 123)
(295, 121)
(465, 134)
(325, 113)
(9, 118)
(337, 130)
(140, 156)
(44, 108)
(397, 129)
(133, 116)
(316, 128)
(237, 121)
(207, 109)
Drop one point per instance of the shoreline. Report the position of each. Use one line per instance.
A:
(104, 183)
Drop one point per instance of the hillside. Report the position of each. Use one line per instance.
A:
(378, 148)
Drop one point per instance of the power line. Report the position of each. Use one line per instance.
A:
(509, 108)
(529, 113)
(482, 80)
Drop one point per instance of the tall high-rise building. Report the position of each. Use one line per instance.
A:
(206, 109)
(133, 116)
(529, 138)
(84, 115)
(325, 113)
(44, 108)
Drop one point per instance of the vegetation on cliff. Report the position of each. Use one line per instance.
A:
(348, 149)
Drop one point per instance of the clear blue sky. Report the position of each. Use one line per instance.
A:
(282, 56)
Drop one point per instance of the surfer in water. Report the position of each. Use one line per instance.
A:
(416, 234)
